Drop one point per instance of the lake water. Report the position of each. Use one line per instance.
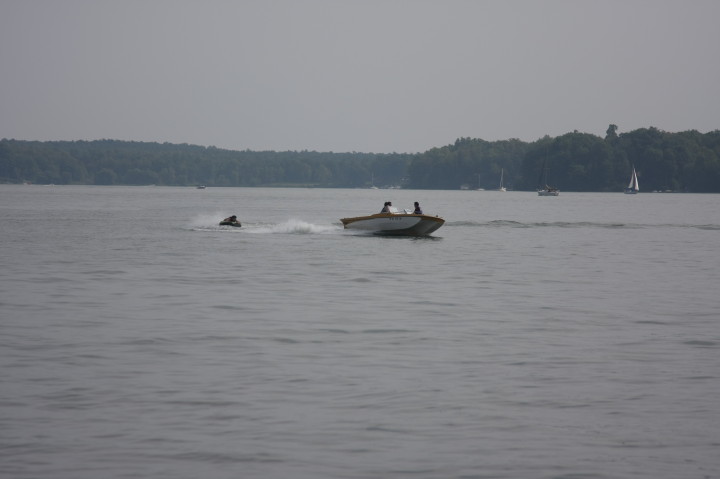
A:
(529, 337)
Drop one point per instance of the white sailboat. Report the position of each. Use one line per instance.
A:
(372, 182)
(633, 187)
(502, 188)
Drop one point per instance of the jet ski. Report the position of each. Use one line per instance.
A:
(231, 221)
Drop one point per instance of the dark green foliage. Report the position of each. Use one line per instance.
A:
(470, 163)
(685, 161)
(574, 161)
(109, 162)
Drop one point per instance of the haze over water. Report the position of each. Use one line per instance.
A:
(529, 337)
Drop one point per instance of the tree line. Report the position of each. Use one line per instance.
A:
(684, 161)
(113, 162)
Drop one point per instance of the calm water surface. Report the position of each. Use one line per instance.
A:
(568, 337)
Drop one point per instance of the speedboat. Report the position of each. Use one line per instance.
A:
(395, 223)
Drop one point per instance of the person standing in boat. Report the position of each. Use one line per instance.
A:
(386, 208)
(418, 210)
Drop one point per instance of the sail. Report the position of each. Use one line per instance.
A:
(637, 185)
(633, 186)
(633, 182)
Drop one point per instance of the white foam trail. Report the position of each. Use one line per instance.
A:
(294, 226)
(210, 221)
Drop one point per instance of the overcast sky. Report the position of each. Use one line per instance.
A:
(354, 75)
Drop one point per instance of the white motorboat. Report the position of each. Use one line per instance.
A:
(395, 223)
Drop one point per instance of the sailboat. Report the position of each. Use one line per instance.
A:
(632, 187)
(545, 190)
(372, 182)
(502, 188)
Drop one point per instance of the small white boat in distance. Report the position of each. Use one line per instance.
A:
(395, 223)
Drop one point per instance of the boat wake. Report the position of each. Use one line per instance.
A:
(292, 226)
(210, 222)
(574, 224)
(553, 224)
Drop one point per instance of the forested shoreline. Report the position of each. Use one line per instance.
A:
(684, 161)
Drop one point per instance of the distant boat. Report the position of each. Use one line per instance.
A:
(372, 182)
(545, 190)
(200, 187)
(548, 191)
(479, 188)
(502, 188)
(632, 187)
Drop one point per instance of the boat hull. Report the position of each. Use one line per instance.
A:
(236, 224)
(395, 224)
(548, 193)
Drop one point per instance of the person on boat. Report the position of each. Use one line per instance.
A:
(230, 219)
(418, 210)
(386, 208)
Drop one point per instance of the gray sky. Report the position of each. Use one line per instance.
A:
(354, 75)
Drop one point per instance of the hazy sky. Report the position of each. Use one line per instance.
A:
(354, 75)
